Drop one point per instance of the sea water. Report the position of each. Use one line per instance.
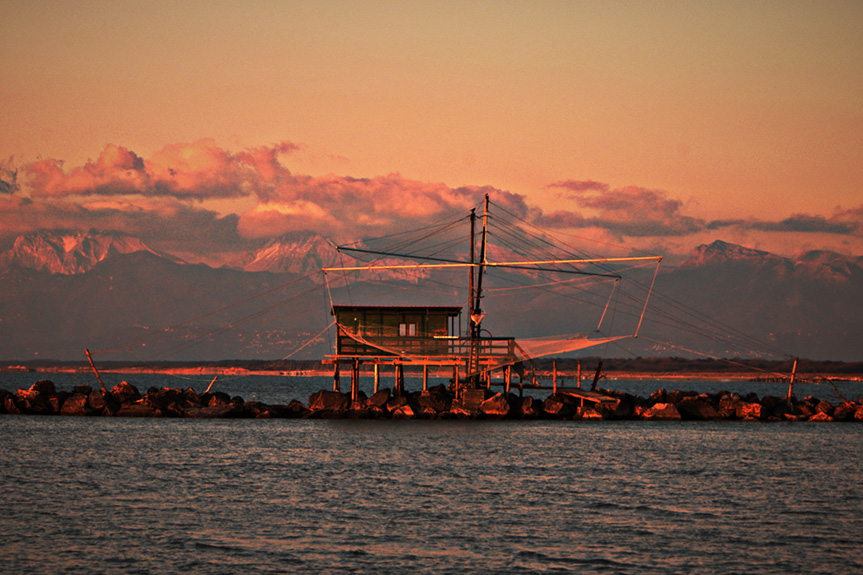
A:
(117, 495)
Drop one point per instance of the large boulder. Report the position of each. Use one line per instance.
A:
(527, 408)
(749, 411)
(697, 408)
(125, 392)
(77, 404)
(43, 387)
(556, 408)
(661, 412)
(436, 402)
(379, 399)
(168, 400)
(138, 408)
(404, 412)
(728, 405)
(496, 406)
(329, 400)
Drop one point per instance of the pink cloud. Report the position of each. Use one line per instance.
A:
(580, 185)
(198, 170)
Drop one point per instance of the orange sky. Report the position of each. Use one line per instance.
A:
(702, 113)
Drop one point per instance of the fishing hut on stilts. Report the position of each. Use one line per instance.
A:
(431, 337)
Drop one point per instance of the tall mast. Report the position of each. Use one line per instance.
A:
(470, 269)
(477, 306)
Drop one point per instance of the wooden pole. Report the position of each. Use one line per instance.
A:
(596, 376)
(553, 376)
(355, 380)
(507, 374)
(102, 385)
(425, 378)
(336, 382)
(791, 381)
(455, 380)
(209, 387)
(377, 376)
(579, 374)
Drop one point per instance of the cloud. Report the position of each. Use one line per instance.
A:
(347, 207)
(175, 200)
(199, 170)
(580, 185)
(8, 177)
(842, 223)
(629, 211)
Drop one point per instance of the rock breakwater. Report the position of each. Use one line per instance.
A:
(125, 400)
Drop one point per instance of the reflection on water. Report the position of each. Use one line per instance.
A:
(104, 495)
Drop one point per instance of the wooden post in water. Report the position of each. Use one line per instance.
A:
(554, 376)
(455, 381)
(377, 376)
(596, 376)
(579, 374)
(355, 380)
(425, 378)
(336, 382)
(507, 375)
(98, 378)
(791, 381)
(400, 380)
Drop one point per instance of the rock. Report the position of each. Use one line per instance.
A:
(821, 416)
(33, 402)
(83, 389)
(658, 396)
(662, 411)
(139, 408)
(527, 408)
(103, 404)
(495, 406)
(379, 399)
(44, 387)
(396, 403)
(844, 411)
(296, 409)
(404, 412)
(698, 409)
(192, 398)
(728, 405)
(168, 400)
(220, 411)
(10, 405)
(556, 408)
(329, 400)
(751, 411)
(459, 411)
(824, 406)
(77, 404)
(434, 401)
(124, 392)
(216, 399)
(858, 412)
(625, 407)
(588, 413)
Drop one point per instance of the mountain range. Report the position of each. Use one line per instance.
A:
(62, 292)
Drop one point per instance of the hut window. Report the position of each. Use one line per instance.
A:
(407, 329)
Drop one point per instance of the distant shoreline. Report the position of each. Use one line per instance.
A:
(562, 374)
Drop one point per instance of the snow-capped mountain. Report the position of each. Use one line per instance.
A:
(68, 252)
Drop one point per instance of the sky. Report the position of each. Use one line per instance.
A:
(205, 127)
